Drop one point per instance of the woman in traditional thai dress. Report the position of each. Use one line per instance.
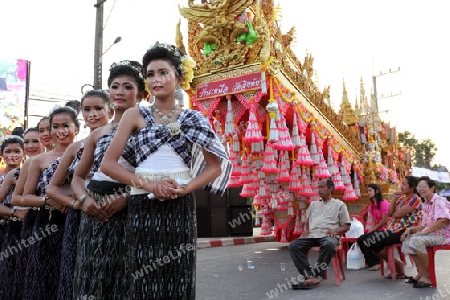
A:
(16, 215)
(95, 109)
(11, 151)
(36, 144)
(42, 273)
(176, 153)
(100, 267)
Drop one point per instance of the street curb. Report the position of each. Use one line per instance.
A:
(234, 241)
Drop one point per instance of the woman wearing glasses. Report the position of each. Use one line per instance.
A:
(434, 230)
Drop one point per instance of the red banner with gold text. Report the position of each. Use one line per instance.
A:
(233, 85)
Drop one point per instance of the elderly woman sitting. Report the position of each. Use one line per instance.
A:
(435, 230)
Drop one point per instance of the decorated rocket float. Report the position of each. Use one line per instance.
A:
(280, 131)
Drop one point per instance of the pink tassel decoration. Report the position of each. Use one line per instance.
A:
(344, 173)
(235, 160)
(306, 184)
(257, 222)
(236, 145)
(218, 129)
(290, 209)
(266, 224)
(294, 183)
(321, 171)
(332, 168)
(273, 130)
(337, 180)
(349, 193)
(295, 136)
(258, 201)
(271, 178)
(284, 142)
(270, 164)
(234, 181)
(298, 228)
(263, 81)
(253, 131)
(246, 176)
(283, 236)
(229, 118)
(257, 147)
(303, 156)
(313, 150)
(315, 190)
(283, 166)
(247, 192)
(273, 201)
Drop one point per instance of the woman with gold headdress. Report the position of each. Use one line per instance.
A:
(100, 267)
(176, 152)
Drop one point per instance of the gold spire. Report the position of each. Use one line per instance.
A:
(348, 114)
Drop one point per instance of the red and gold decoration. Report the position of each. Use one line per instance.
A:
(280, 131)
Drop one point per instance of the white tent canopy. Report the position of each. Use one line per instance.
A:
(435, 175)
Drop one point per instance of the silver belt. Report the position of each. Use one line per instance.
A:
(183, 175)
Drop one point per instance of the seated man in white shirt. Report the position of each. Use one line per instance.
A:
(326, 220)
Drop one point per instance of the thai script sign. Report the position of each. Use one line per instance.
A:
(233, 85)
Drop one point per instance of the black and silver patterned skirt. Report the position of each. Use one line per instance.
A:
(68, 255)
(22, 258)
(100, 267)
(162, 240)
(11, 248)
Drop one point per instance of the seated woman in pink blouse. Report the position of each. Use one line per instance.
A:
(434, 230)
(378, 210)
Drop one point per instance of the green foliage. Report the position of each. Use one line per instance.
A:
(423, 152)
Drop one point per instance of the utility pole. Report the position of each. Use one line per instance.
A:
(98, 48)
(376, 122)
(374, 80)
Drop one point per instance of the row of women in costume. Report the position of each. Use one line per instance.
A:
(112, 216)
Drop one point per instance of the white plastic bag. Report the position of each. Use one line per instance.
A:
(356, 229)
(355, 258)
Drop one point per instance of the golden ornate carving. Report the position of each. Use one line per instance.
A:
(308, 66)
(231, 73)
(347, 113)
(220, 30)
(179, 38)
(326, 95)
(195, 48)
(216, 22)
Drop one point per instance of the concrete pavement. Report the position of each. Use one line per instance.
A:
(219, 277)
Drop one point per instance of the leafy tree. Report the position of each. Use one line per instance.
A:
(423, 152)
(428, 149)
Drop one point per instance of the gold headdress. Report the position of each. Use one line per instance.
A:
(130, 64)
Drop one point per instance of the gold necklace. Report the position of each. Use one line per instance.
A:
(165, 119)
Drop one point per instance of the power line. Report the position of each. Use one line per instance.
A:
(109, 15)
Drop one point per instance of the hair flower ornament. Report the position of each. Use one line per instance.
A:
(187, 69)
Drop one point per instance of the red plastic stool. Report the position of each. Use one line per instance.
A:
(431, 252)
(337, 263)
(391, 259)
